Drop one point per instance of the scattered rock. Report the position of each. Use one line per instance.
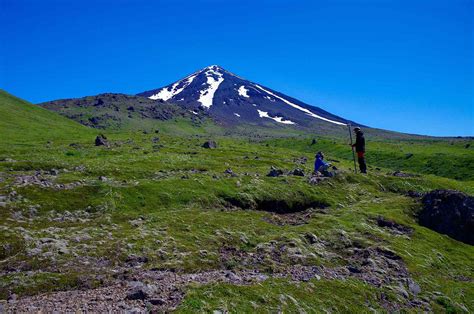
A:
(387, 253)
(449, 212)
(7, 159)
(312, 239)
(44, 180)
(157, 301)
(169, 287)
(393, 226)
(400, 174)
(230, 172)
(292, 219)
(408, 156)
(316, 178)
(297, 172)
(103, 179)
(401, 290)
(101, 140)
(12, 298)
(353, 269)
(302, 160)
(413, 287)
(274, 172)
(136, 294)
(414, 194)
(233, 277)
(80, 168)
(210, 144)
(135, 260)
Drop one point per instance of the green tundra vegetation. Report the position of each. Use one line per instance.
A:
(73, 212)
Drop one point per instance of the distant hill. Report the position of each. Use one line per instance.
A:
(120, 111)
(22, 121)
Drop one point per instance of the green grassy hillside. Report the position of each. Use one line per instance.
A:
(208, 230)
(24, 122)
(450, 158)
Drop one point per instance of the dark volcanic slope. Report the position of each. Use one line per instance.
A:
(229, 98)
(117, 110)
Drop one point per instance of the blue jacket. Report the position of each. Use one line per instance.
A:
(318, 163)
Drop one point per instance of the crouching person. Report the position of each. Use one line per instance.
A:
(321, 166)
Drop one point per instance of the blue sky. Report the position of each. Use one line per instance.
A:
(400, 65)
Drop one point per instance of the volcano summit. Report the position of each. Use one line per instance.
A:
(231, 99)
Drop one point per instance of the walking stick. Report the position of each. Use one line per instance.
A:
(353, 154)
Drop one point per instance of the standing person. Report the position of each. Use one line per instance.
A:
(360, 149)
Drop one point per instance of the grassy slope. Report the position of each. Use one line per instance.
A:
(179, 190)
(23, 122)
(442, 157)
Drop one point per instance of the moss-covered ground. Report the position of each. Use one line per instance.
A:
(164, 197)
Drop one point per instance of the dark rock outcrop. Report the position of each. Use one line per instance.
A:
(297, 172)
(101, 140)
(137, 294)
(393, 226)
(230, 172)
(449, 212)
(274, 172)
(209, 144)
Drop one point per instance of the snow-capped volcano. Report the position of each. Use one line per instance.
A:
(231, 99)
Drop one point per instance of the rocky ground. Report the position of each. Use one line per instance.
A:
(112, 225)
(138, 291)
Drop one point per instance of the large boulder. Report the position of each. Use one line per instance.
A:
(274, 172)
(297, 172)
(101, 140)
(449, 212)
(209, 144)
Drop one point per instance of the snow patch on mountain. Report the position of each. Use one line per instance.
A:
(243, 91)
(264, 114)
(299, 107)
(207, 95)
(166, 94)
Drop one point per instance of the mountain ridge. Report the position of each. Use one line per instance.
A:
(232, 99)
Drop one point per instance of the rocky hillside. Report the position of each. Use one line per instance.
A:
(119, 111)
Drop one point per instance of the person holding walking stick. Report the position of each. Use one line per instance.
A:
(359, 146)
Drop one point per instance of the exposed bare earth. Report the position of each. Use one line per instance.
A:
(144, 290)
